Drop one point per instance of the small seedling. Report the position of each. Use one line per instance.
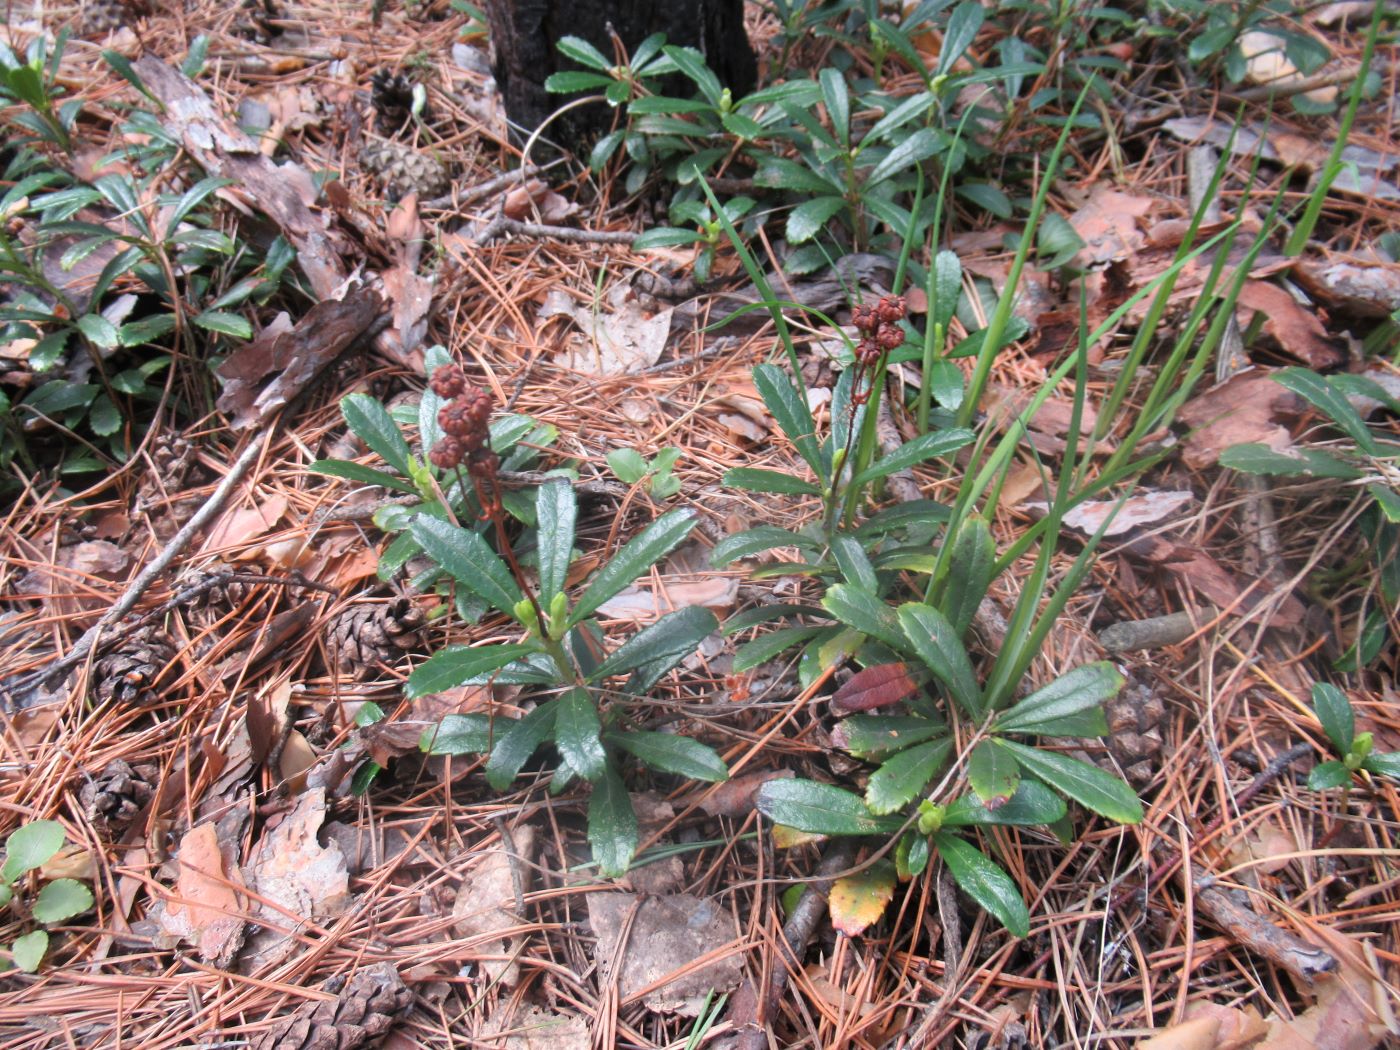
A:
(632, 468)
(28, 849)
(1338, 721)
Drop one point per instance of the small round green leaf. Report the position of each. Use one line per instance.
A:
(61, 899)
(30, 846)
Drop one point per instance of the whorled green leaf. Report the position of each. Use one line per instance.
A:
(61, 899)
(1327, 775)
(903, 776)
(672, 753)
(755, 541)
(1049, 710)
(468, 559)
(1327, 399)
(457, 735)
(1299, 462)
(947, 287)
(30, 846)
(866, 613)
(358, 472)
(514, 748)
(1088, 785)
(1334, 712)
(1032, 804)
(458, 664)
(638, 555)
(867, 736)
(578, 734)
(810, 217)
(921, 145)
(937, 643)
(1384, 763)
(766, 646)
(985, 882)
(973, 562)
(556, 509)
(672, 636)
(612, 825)
(820, 808)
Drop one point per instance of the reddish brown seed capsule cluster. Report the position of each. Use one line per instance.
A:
(879, 328)
(464, 421)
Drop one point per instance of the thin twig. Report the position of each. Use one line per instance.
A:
(503, 225)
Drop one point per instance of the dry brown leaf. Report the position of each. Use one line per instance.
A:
(1296, 329)
(1366, 288)
(1266, 63)
(622, 341)
(1238, 1028)
(76, 581)
(1241, 410)
(237, 525)
(665, 935)
(1110, 225)
(487, 903)
(537, 1029)
(206, 906)
(1197, 1034)
(735, 797)
(643, 605)
(1142, 508)
(296, 880)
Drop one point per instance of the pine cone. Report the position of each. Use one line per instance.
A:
(115, 796)
(364, 637)
(391, 94)
(131, 673)
(225, 592)
(403, 170)
(101, 17)
(1135, 719)
(364, 1012)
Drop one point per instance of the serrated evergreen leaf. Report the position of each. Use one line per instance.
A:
(911, 453)
(582, 52)
(866, 613)
(224, 323)
(921, 145)
(514, 748)
(993, 773)
(578, 734)
(1385, 763)
(903, 776)
(671, 753)
(458, 664)
(673, 636)
(1330, 401)
(973, 561)
(638, 555)
(761, 614)
(692, 63)
(947, 287)
(767, 646)
(1334, 712)
(985, 882)
(938, 645)
(99, 331)
(371, 423)
(810, 217)
(341, 468)
(1300, 462)
(820, 808)
(457, 735)
(61, 899)
(556, 509)
(1032, 804)
(30, 846)
(866, 736)
(1081, 690)
(571, 80)
(755, 541)
(665, 237)
(755, 479)
(790, 412)
(1088, 785)
(854, 565)
(104, 418)
(466, 557)
(612, 825)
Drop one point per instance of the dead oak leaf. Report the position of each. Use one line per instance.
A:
(1242, 410)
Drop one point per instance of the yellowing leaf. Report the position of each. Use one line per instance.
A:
(858, 900)
(785, 837)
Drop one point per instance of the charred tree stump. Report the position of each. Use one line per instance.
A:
(524, 32)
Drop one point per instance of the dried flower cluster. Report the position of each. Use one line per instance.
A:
(464, 421)
(879, 328)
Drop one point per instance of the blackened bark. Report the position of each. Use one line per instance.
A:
(524, 32)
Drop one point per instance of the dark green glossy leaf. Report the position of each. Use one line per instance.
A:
(869, 735)
(866, 613)
(469, 560)
(810, 217)
(612, 825)
(921, 145)
(993, 773)
(985, 882)
(1032, 804)
(457, 735)
(638, 555)
(582, 52)
(973, 560)
(761, 614)
(1386, 763)
(1080, 691)
(1334, 712)
(1300, 462)
(673, 636)
(1330, 401)
(225, 323)
(514, 748)
(1088, 785)
(854, 565)
(790, 412)
(755, 541)
(819, 808)
(938, 645)
(374, 426)
(754, 479)
(341, 468)
(671, 753)
(1327, 775)
(578, 734)
(458, 664)
(766, 646)
(903, 776)
(925, 446)
(556, 509)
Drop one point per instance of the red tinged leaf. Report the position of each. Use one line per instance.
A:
(877, 687)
